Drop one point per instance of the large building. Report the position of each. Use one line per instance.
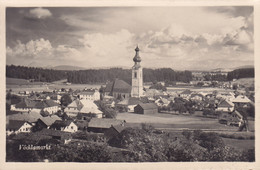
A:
(137, 76)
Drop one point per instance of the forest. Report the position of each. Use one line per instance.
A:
(104, 75)
(95, 75)
(35, 74)
(241, 73)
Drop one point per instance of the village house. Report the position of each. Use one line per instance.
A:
(46, 122)
(241, 100)
(231, 118)
(62, 136)
(89, 109)
(90, 94)
(73, 108)
(185, 94)
(31, 117)
(153, 92)
(101, 125)
(162, 102)
(66, 126)
(196, 96)
(225, 106)
(229, 96)
(26, 105)
(129, 103)
(18, 126)
(119, 89)
(113, 131)
(146, 108)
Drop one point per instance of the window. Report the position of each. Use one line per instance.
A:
(135, 74)
(71, 127)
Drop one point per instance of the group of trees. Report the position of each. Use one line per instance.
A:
(215, 77)
(37, 74)
(144, 144)
(149, 75)
(241, 73)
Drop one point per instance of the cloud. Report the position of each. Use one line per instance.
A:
(41, 51)
(39, 13)
(183, 38)
(108, 49)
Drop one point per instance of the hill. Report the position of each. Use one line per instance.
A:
(67, 67)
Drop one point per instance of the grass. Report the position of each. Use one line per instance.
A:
(175, 122)
(239, 144)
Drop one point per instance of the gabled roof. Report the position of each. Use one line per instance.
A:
(29, 117)
(118, 86)
(58, 124)
(49, 120)
(89, 107)
(15, 124)
(148, 105)
(196, 94)
(130, 101)
(76, 104)
(241, 99)
(104, 122)
(186, 92)
(88, 92)
(25, 103)
(118, 128)
(225, 103)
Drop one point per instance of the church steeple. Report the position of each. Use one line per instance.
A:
(137, 76)
(137, 58)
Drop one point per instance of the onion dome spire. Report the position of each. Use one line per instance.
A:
(137, 58)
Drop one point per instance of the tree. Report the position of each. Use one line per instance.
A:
(65, 100)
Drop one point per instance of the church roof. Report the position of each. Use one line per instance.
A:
(118, 86)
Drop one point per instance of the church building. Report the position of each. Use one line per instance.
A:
(137, 76)
(119, 89)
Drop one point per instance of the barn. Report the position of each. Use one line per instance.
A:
(146, 108)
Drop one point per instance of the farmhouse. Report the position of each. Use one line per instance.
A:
(90, 109)
(31, 117)
(46, 122)
(26, 105)
(186, 94)
(101, 125)
(130, 103)
(113, 131)
(146, 108)
(225, 106)
(73, 108)
(196, 97)
(66, 126)
(62, 136)
(18, 126)
(90, 94)
(241, 100)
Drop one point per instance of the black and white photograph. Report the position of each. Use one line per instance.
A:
(129, 84)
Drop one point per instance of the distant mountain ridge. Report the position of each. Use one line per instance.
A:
(67, 67)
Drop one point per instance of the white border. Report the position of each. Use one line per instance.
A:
(126, 166)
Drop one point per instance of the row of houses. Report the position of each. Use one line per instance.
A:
(26, 105)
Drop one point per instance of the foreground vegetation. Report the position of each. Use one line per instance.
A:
(144, 144)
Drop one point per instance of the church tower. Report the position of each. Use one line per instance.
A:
(137, 76)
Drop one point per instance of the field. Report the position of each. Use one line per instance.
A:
(177, 123)
(23, 85)
(247, 82)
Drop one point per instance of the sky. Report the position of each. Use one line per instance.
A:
(182, 38)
